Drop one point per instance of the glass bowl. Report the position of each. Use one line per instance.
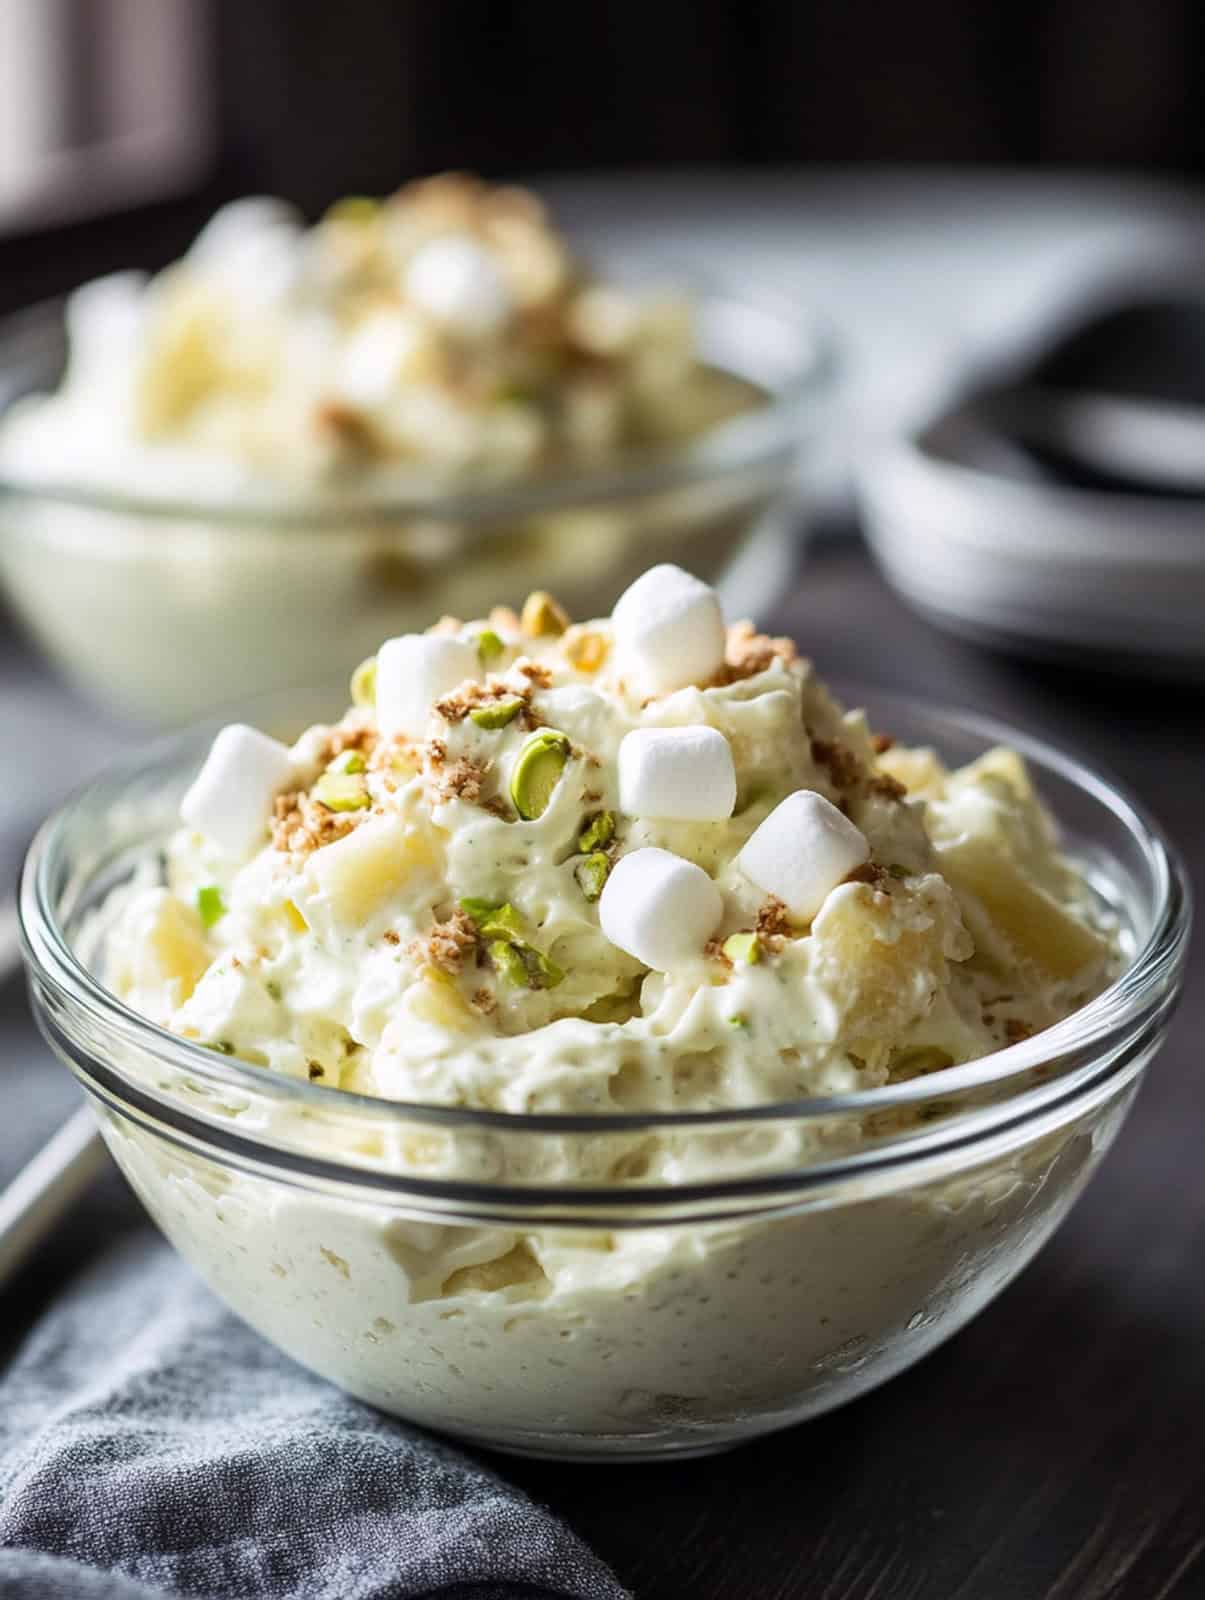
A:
(167, 608)
(520, 1281)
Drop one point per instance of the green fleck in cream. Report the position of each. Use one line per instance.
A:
(210, 905)
(599, 831)
(496, 715)
(349, 761)
(736, 1020)
(341, 792)
(742, 947)
(273, 989)
(537, 772)
(489, 645)
(364, 683)
(591, 874)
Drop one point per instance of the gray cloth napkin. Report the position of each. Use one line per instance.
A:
(152, 1446)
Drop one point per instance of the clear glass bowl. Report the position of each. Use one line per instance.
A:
(518, 1280)
(167, 608)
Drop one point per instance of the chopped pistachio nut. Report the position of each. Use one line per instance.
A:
(354, 208)
(210, 904)
(496, 715)
(364, 683)
(742, 947)
(509, 963)
(537, 772)
(341, 792)
(542, 615)
(489, 645)
(494, 919)
(737, 1020)
(599, 831)
(591, 874)
(349, 761)
(273, 989)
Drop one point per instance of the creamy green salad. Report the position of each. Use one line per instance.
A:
(642, 862)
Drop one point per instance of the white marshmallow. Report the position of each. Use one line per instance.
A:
(456, 281)
(413, 672)
(659, 908)
(677, 774)
(106, 321)
(376, 356)
(251, 250)
(230, 800)
(669, 630)
(249, 217)
(802, 851)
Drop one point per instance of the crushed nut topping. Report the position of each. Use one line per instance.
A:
(881, 742)
(748, 652)
(456, 706)
(536, 673)
(301, 825)
(484, 1001)
(889, 788)
(838, 760)
(772, 919)
(447, 944)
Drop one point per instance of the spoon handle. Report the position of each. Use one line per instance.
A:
(40, 1194)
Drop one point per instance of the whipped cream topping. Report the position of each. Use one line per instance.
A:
(454, 913)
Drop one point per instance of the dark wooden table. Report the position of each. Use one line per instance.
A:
(1055, 1450)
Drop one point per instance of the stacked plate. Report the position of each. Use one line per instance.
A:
(1063, 511)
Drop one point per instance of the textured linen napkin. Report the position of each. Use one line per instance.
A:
(150, 1446)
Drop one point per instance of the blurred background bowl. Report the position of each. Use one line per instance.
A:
(162, 608)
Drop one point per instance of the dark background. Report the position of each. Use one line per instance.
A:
(314, 98)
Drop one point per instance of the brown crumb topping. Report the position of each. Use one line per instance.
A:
(484, 1001)
(714, 951)
(881, 742)
(460, 779)
(344, 738)
(447, 944)
(1015, 1030)
(747, 652)
(348, 428)
(300, 825)
(392, 936)
(456, 706)
(772, 919)
(889, 788)
(838, 760)
(536, 673)
(869, 872)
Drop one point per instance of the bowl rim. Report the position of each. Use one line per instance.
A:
(1148, 985)
(769, 432)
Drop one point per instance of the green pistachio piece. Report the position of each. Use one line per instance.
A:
(210, 904)
(541, 972)
(489, 645)
(591, 874)
(496, 715)
(494, 919)
(364, 683)
(341, 792)
(349, 761)
(509, 963)
(537, 771)
(599, 831)
(542, 615)
(357, 208)
(736, 1020)
(742, 947)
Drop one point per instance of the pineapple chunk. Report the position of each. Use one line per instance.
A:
(1036, 926)
(436, 999)
(1000, 763)
(165, 955)
(884, 970)
(919, 770)
(357, 874)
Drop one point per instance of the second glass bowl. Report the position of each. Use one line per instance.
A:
(167, 608)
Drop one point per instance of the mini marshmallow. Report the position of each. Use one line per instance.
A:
(458, 282)
(413, 672)
(377, 355)
(802, 851)
(230, 800)
(251, 250)
(659, 908)
(677, 774)
(249, 217)
(669, 630)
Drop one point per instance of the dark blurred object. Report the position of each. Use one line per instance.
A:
(1061, 510)
(316, 97)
